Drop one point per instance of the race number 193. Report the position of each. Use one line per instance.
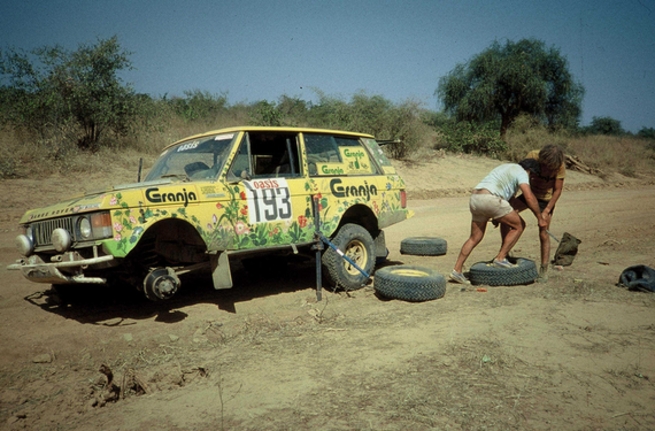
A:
(268, 200)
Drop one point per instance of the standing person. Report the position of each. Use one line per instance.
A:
(490, 201)
(547, 186)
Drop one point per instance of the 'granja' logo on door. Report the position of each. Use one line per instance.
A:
(153, 195)
(364, 191)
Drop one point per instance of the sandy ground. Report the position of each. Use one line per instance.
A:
(577, 352)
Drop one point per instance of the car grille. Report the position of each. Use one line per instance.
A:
(42, 230)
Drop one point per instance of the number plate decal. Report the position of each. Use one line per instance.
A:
(268, 200)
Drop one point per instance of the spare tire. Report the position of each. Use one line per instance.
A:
(409, 283)
(424, 246)
(525, 272)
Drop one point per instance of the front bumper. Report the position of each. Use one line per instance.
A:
(38, 271)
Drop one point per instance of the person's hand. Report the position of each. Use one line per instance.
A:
(542, 221)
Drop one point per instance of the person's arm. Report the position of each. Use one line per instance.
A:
(557, 192)
(533, 204)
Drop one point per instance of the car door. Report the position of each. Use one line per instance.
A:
(273, 193)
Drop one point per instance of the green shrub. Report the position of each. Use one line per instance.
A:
(470, 138)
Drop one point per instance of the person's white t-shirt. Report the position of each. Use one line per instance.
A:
(504, 180)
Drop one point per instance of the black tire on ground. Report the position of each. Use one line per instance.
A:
(356, 243)
(424, 246)
(409, 283)
(485, 273)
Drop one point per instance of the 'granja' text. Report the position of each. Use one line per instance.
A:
(153, 195)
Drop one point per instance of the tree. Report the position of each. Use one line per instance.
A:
(52, 87)
(646, 132)
(505, 81)
(605, 126)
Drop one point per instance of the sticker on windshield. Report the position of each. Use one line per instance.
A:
(188, 146)
(268, 200)
(224, 136)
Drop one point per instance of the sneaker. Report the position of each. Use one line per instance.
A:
(503, 264)
(458, 277)
(543, 274)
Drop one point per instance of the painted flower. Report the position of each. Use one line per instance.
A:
(113, 200)
(273, 232)
(243, 196)
(240, 228)
(214, 219)
(117, 237)
(218, 205)
(132, 220)
(244, 210)
(302, 221)
(118, 227)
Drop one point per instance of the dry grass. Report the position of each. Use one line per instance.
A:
(26, 156)
(626, 155)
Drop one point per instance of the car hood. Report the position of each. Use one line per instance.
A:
(88, 202)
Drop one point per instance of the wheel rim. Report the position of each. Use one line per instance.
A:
(410, 273)
(356, 251)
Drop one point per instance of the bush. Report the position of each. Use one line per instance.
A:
(470, 138)
(526, 135)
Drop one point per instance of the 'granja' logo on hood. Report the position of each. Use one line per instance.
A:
(153, 195)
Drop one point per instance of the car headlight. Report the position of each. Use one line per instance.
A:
(84, 227)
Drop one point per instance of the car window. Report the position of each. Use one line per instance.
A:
(267, 155)
(329, 155)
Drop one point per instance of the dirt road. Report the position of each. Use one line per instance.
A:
(577, 352)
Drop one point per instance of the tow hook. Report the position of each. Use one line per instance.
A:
(160, 283)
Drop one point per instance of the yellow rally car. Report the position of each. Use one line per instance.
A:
(218, 196)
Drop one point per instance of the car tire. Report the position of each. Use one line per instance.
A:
(525, 272)
(356, 243)
(424, 246)
(409, 283)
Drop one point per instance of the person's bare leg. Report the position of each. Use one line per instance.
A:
(515, 226)
(519, 206)
(477, 233)
(544, 241)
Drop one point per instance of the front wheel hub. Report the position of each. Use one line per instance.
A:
(160, 283)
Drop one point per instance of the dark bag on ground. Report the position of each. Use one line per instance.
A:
(638, 277)
(566, 250)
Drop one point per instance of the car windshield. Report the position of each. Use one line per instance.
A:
(193, 160)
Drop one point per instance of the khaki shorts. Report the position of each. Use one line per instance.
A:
(487, 206)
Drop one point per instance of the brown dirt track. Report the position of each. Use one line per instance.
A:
(575, 353)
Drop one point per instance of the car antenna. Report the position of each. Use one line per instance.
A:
(138, 177)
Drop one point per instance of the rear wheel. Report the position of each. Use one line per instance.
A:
(357, 244)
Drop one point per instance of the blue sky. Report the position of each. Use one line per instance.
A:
(255, 50)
